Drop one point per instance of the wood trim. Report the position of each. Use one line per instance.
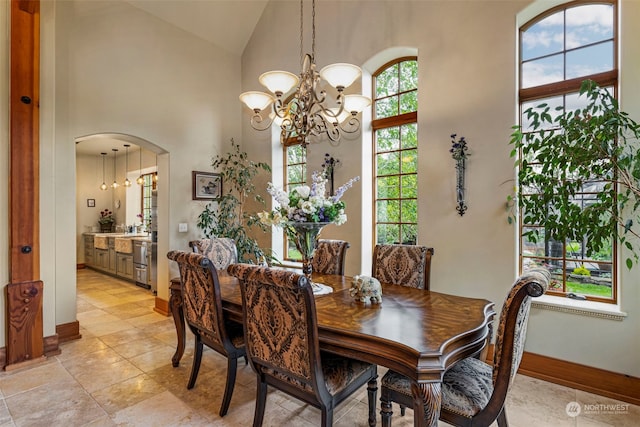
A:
(51, 348)
(68, 331)
(51, 345)
(24, 142)
(162, 307)
(586, 378)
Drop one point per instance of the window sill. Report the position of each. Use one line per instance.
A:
(581, 308)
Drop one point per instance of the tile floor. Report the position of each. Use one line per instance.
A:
(120, 374)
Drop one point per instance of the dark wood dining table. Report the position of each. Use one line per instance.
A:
(417, 333)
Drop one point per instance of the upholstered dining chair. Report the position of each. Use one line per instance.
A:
(407, 265)
(330, 256)
(222, 251)
(474, 392)
(281, 334)
(202, 305)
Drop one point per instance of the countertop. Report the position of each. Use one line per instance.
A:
(134, 236)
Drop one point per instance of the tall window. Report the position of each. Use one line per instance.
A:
(558, 50)
(148, 185)
(295, 166)
(395, 133)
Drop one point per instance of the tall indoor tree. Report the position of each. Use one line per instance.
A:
(563, 153)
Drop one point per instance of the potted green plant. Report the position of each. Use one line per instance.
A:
(563, 152)
(227, 217)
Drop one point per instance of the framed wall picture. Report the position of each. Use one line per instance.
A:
(206, 185)
(91, 203)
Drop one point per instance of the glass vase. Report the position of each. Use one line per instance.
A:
(305, 236)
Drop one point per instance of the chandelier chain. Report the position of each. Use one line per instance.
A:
(313, 29)
(301, 34)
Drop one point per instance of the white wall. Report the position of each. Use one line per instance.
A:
(467, 57)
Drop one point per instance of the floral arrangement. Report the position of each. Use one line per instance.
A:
(106, 216)
(307, 204)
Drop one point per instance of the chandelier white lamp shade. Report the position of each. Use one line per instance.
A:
(308, 113)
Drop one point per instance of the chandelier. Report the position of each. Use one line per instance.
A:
(306, 113)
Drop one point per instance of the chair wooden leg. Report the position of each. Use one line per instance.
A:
(197, 358)
(385, 412)
(232, 366)
(327, 417)
(372, 392)
(502, 418)
(261, 401)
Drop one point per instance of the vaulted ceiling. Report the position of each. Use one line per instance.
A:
(225, 23)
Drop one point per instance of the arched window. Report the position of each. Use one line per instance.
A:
(395, 151)
(295, 173)
(558, 50)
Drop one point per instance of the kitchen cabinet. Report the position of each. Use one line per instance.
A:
(101, 258)
(88, 250)
(124, 265)
(112, 255)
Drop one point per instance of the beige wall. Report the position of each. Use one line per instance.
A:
(467, 56)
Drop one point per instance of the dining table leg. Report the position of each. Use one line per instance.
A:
(175, 303)
(427, 413)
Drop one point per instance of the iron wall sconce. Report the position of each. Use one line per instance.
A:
(459, 153)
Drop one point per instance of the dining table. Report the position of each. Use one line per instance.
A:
(417, 333)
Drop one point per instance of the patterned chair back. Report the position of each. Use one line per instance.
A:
(222, 251)
(407, 265)
(512, 329)
(281, 332)
(202, 303)
(329, 257)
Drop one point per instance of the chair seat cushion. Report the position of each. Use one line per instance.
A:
(466, 387)
(338, 373)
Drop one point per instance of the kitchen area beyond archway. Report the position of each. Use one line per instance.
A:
(117, 207)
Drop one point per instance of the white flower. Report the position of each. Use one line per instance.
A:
(341, 219)
(307, 207)
(303, 191)
(318, 201)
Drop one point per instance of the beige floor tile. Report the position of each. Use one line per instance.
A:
(163, 409)
(64, 404)
(120, 374)
(129, 392)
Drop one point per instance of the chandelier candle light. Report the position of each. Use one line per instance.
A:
(307, 114)
(303, 212)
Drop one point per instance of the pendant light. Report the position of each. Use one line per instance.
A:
(127, 183)
(155, 174)
(140, 180)
(115, 183)
(104, 184)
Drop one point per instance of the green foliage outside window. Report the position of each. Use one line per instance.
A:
(396, 154)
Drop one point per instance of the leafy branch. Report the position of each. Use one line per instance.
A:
(579, 173)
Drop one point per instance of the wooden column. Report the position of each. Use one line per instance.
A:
(24, 292)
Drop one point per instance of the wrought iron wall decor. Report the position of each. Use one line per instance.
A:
(328, 167)
(459, 153)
